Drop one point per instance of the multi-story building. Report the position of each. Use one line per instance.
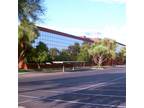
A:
(59, 40)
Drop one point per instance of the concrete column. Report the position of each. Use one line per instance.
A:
(63, 68)
(73, 67)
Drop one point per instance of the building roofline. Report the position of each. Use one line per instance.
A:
(69, 35)
(64, 34)
(120, 43)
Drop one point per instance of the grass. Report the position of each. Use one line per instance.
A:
(50, 70)
(22, 70)
(47, 70)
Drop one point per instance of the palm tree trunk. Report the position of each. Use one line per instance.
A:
(21, 59)
(22, 64)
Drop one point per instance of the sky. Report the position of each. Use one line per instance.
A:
(90, 18)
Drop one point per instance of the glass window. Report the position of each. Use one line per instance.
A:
(55, 40)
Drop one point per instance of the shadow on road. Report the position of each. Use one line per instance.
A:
(89, 98)
(67, 82)
(86, 98)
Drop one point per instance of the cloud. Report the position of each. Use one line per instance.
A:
(110, 1)
(116, 33)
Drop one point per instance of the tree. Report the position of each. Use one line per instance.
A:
(30, 55)
(54, 52)
(111, 44)
(98, 52)
(63, 56)
(39, 55)
(84, 55)
(121, 56)
(26, 34)
(74, 50)
(28, 12)
(30, 9)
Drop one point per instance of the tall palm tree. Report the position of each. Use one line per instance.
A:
(27, 32)
(30, 9)
(28, 13)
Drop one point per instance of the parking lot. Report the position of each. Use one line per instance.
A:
(89, 89)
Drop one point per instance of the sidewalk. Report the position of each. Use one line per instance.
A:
(41, 73)
(37, 74)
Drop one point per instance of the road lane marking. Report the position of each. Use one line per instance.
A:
(86, 103)
(74, 102)
(99, 84)
(29, 100)
(90, 94)
(95, 85)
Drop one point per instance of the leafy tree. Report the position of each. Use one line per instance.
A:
(121, 56)
(111, 44)
(39, 55)
(123, 51)
(63, 56)
(74, 50)
(42, 53)
(54, 52)
(98, 52)
(31, 55)
(41, 47)
(84, 55)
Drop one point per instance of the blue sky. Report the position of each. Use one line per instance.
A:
(87, 17)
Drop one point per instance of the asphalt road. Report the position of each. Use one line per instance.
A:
(88, 89)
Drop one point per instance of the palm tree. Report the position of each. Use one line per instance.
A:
(30, 9)
(103, 50)
(27, 32)
(111, 44)
(28, 13)
(99, 53)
